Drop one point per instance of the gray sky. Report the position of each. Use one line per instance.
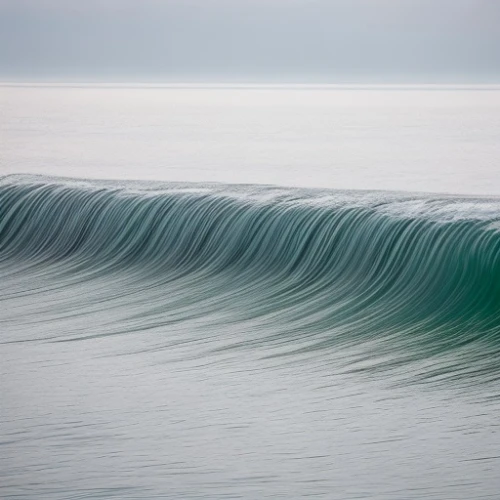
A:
(268, 40)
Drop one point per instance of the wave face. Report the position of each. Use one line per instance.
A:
(283, 271)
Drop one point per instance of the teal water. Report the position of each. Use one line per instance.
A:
(189, 340)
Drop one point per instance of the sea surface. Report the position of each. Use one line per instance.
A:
(242, 292)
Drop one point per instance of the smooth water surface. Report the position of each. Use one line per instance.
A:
(427, 138)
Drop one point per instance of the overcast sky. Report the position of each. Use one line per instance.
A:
(268, 40)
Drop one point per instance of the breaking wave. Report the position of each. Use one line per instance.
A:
(397, 279)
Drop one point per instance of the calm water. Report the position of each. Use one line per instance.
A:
(408, 138)
(189, 337)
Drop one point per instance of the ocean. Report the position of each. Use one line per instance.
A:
(268, 291)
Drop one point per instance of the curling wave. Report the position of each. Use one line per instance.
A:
(245, 266)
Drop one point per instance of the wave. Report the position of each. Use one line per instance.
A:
(296, 270)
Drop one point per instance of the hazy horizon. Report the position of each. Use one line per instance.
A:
(294, 41)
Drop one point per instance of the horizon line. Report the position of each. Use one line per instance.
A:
(256, 85)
